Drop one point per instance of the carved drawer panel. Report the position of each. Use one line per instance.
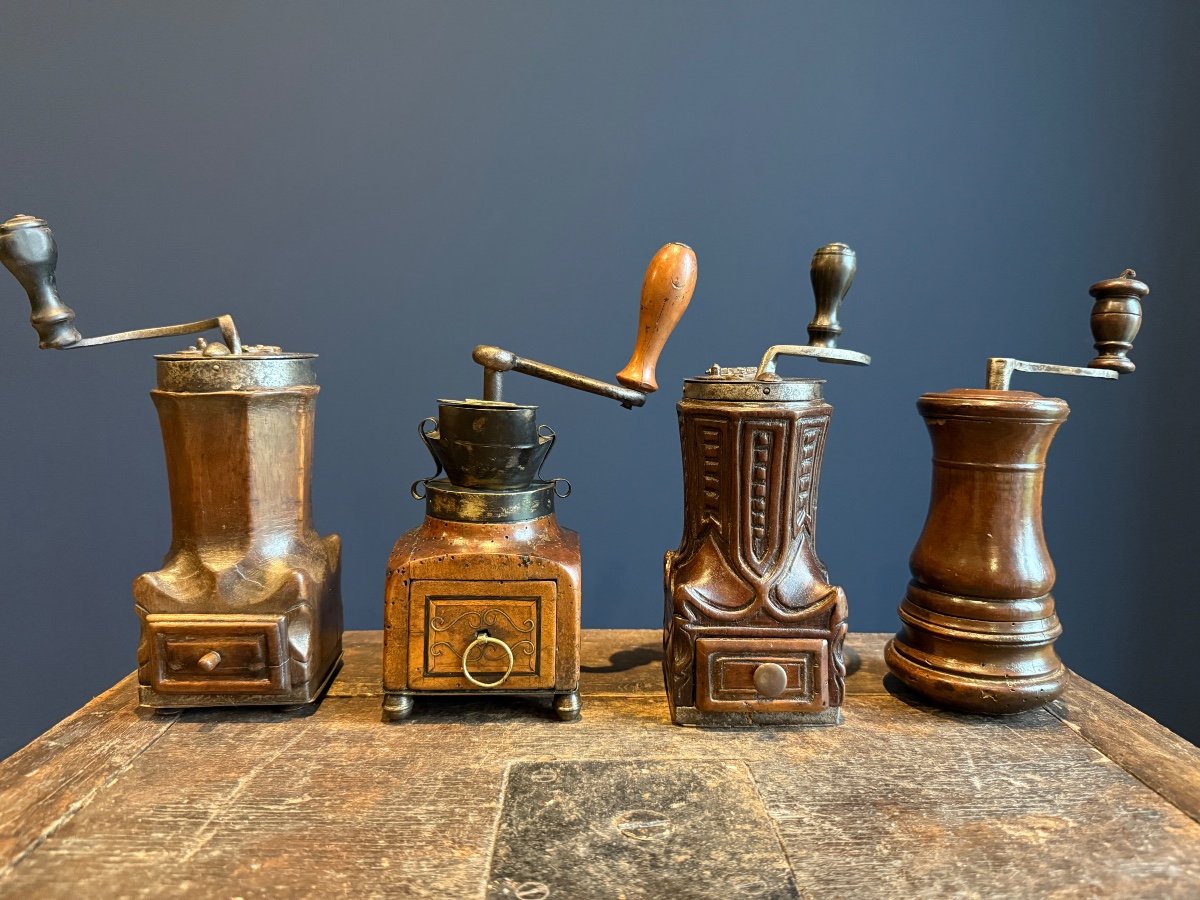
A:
(198, 653)
(762, 674)
(447, 616)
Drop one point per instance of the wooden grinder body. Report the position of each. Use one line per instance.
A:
(247, 608)
(977, 622)
(447, 581)
(753, 630)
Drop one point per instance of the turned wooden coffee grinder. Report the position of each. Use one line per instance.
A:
(247, 607)
(977, 621)
(483, 597)
(753, 629)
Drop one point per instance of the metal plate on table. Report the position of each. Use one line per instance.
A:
(629, 829)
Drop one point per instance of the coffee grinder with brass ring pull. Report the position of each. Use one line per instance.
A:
(247, 607)
(483, 597)
(978, 622)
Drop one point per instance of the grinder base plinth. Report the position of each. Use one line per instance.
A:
(981, 695)
(736, 676)
(690, 716)
(299, 696)
(484, 608)
(973, 664)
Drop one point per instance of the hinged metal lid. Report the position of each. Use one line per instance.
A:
(207, 367)
(739, 384)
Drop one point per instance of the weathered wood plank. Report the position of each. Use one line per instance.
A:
(44, 783)
(923, 803)
(1157, 757)
(336, 803)
(362, 652)
(902, 800)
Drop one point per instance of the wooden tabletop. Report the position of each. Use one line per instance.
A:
(1087, 797)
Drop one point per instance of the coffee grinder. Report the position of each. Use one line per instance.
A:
(977, 621)
(753, 629)
(483, 597)
(247, 607)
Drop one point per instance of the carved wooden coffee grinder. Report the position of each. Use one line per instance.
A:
(753, 629)
(247, 608)
(977, 622)
(483, 597)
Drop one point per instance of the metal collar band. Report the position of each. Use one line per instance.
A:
(194, 372)
(444, 500)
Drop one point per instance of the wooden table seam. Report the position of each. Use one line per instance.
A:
(79, 805)
(1175, 782)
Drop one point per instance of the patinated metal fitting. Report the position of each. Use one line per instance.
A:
(206, 368)
(739, 385)
(488, 422)
(444, 500)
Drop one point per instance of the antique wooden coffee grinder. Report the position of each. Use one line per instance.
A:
(753, 629)
(977, 622)
(483, 597)
(247, 608)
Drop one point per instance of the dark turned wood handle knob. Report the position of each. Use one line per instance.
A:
(1116, 318)
(666, 293)
(832, 273)
(27, 249)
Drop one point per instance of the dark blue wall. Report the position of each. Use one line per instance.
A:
(391, 183)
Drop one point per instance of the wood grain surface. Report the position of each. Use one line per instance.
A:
(1086, 798)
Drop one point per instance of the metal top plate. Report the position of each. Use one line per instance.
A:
(739, 385)
(194, 372)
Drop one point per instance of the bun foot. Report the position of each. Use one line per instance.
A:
(567, 706)
(397, 707)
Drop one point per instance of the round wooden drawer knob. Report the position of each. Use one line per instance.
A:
(770, 679)
(209, 660)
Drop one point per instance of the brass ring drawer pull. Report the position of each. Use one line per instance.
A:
(487, 639)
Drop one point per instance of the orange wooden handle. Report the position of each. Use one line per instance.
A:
(666, 293)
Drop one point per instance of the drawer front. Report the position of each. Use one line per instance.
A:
(762, 674)
(201, 654)
(448, 616)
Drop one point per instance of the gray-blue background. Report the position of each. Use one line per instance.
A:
(389, 184)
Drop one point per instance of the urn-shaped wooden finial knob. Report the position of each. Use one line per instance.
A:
(1116, 318)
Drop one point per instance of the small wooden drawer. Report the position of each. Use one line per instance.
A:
(447, 616)
(726, 668)
(200, 654)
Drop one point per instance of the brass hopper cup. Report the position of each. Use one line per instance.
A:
(487, 444)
